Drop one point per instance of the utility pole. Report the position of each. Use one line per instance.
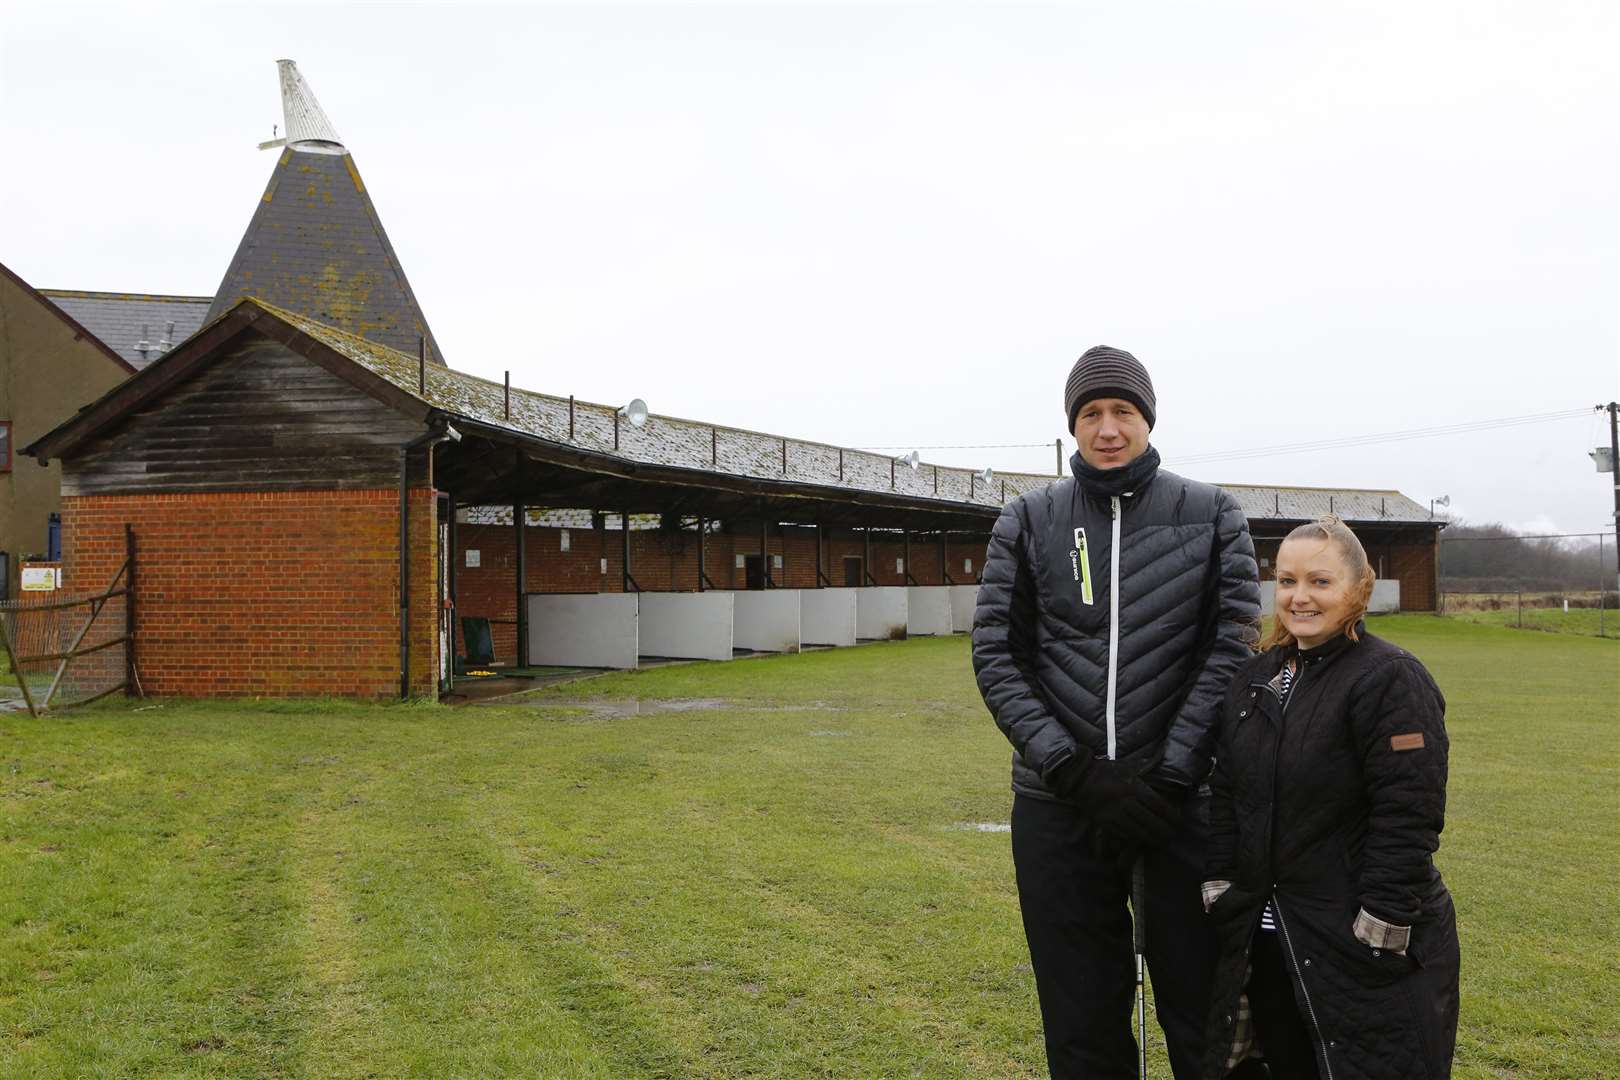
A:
(1057, 444)
(1614, 461)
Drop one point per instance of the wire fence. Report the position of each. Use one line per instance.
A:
(1591, 613)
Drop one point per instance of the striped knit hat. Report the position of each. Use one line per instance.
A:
(1104, 371)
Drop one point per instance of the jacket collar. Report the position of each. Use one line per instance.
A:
(1274, 659)
(1128, 479)
(1326, 651)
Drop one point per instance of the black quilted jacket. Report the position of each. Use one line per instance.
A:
(1068, 666)
(1328, 806)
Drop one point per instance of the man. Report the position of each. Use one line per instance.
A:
(1115, 606)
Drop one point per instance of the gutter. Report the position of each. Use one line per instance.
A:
(440, 432)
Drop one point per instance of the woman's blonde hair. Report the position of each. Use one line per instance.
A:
(1333, 529)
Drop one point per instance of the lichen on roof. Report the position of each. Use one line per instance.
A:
(663, 440)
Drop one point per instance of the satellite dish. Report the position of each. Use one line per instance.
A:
(987, 475)
(912, 459)
(635, 412)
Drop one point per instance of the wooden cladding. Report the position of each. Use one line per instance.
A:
(260, 418)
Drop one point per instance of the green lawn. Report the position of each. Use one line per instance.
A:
(1587, 621)
(776, 875)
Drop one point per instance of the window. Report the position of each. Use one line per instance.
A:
(5, 445)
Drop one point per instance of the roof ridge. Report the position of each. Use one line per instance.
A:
(1301, 487)
(96, 294)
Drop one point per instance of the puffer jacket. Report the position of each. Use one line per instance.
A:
(1332, 805)
(1110, 625)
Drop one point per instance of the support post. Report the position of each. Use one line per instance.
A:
(521, 644)
(866, 563)
(624, 528)
(1614, 459)
(764, 554)
(703, 529)
(450, 586)
(1057, 444)
(944, 563)
(506, 395)
(131, 678)
(820, 577)
(570, 417)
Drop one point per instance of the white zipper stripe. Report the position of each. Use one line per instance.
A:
(1113, 622)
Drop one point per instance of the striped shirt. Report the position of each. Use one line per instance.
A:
(1284, 685)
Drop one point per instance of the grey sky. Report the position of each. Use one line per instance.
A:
(899, 225)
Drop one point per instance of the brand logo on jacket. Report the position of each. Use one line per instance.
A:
(1080, 561)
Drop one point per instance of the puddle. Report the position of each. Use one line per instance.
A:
(982, 826)
(619, 708)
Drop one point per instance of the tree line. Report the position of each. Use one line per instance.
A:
(1490, 557)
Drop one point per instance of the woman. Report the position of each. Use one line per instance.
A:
(1338, 938)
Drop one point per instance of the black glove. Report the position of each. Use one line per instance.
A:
(1122, 804)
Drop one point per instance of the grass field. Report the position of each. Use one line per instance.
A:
(764, 868)
(1585, 621)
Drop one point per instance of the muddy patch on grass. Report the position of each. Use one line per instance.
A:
(621, 708)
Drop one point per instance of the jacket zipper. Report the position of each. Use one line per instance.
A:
(1316, 1028)
(1113, 621)
(1276, 905)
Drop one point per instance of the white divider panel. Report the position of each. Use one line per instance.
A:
(928, 610)
(582, 629)
(963, 600)
(766, 620)
(880, 611)
(827, 616)
(1268, 597)
(692, 626)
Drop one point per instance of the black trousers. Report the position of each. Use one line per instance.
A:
(1077, 922)
(1284, 1037)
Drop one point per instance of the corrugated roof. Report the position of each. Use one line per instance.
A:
(123, 321)
(1304, 503)
(663, 440)
(667, 440)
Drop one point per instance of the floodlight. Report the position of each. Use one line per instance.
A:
(1444, 500)
(912, 459)
(635, 412)
(987, 475)
(451, 432)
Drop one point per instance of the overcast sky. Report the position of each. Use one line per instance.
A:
(899, 225)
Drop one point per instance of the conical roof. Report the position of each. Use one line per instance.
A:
(315, 245)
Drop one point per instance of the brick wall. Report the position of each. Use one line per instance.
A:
(667, 561)
(275, 593)
(1408, 558)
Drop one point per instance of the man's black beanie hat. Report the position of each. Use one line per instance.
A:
(1104, 371)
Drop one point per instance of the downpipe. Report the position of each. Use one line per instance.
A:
(441, 432)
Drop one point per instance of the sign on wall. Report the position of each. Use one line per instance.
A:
(475, 557)
(41, 578)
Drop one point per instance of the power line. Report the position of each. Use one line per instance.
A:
(1385, 437)
(976, 446)
(1343, 442)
